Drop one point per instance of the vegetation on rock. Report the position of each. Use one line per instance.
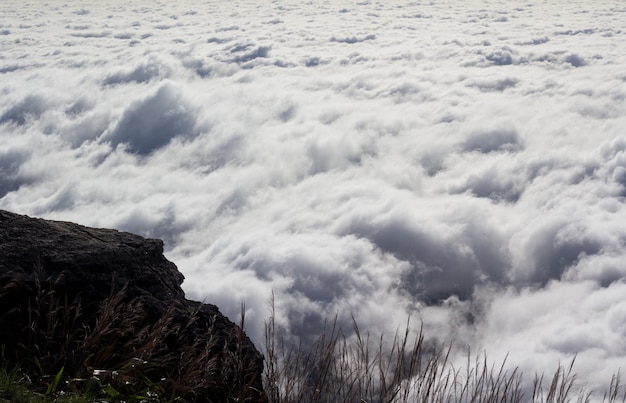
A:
(92, 315)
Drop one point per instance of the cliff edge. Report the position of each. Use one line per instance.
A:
(103, 311)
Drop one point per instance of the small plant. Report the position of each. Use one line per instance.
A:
(56, 350)
(13, 385)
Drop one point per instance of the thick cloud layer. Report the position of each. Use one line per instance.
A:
(460, 162)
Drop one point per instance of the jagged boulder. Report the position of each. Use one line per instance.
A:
(105, 307)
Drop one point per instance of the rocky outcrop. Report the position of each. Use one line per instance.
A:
(98, 303)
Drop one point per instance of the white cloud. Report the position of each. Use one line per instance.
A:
(152, 122)
(462, 164)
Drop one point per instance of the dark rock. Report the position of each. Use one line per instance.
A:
(86, 259)
(77, 297)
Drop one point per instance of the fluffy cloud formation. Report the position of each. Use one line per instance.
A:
(464, 164)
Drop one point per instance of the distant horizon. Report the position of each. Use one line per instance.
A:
(459, 163)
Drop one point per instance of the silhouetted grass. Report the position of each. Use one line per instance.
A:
(52, 352)
(121, 351)
(339, 368)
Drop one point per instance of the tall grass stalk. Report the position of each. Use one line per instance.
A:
(360, 368)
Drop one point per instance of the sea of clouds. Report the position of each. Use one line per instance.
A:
(463, 163)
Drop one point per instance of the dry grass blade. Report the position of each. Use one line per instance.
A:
(353, 368)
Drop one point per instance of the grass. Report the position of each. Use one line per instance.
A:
(51, 351)
(358, 368)
(56, 349)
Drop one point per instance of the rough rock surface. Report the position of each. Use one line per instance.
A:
(86, 259)
(73, 263)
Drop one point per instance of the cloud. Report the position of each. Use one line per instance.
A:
(501, 57)
(583, 320)
(535, 41)
(504, 138)
(149, 70)
(10, 177)
(575, 60)
(552, 246)
(248, 52)
(152, 122)
(30, 107)
(436, 253)
(93, 34)
(462, 165)
(353, 39)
